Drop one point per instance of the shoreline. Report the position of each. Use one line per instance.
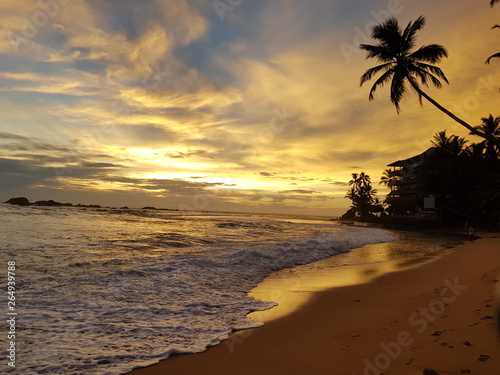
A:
(396, 323)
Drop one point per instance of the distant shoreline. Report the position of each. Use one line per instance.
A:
(23, 201)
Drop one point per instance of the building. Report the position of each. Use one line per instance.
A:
(406, 197)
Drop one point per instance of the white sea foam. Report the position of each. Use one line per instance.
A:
(102, 292)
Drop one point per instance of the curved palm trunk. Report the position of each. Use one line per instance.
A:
(440, 107)
(454, 117)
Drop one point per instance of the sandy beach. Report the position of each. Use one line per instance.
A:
(437, 315)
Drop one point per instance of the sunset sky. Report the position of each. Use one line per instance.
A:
(240, 105)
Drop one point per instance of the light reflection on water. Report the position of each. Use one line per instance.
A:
(292, 288)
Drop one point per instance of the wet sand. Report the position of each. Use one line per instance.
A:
(438, 314)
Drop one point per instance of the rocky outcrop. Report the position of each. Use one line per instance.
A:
(51, 203)
(21, 201)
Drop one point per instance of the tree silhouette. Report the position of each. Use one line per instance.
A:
(490, 126)
(386, 178)
(362, 196)
(402, 66)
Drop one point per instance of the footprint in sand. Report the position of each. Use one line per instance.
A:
(483, 357)
(416, 348)
(487, 317)
(356, 336)
(410, 362)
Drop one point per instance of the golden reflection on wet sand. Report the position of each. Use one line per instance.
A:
(291, 288)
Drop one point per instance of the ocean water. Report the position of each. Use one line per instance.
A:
(102, 291)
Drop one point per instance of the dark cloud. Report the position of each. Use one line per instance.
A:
(172, 186)
(100, 165)
(122, 16)
(283, 177)
(188, 154)
(299, 191)
(21, 173)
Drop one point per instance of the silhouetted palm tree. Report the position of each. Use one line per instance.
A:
(386, 178)
(362, 195)
(495, 54)
(360, 181)
(451, 145)
(490, 126)
(401, 66)
(493, 2)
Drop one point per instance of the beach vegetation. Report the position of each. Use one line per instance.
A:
(464, 177)
(386, 178)
(363, 197)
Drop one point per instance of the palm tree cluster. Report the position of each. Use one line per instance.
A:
(363, 197)
(465, 178)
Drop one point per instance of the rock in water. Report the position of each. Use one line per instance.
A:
(48, 203)
(21, 201)
(429, 371)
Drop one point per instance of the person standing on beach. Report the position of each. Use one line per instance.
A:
(472, 233)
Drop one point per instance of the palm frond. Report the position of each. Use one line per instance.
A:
(409, 34)
(381, 81)
(432, 69)
(387, 30)
(378, 52)
(492, 56)
(432, 53)
(425, 76)
(372, 71)
(398, 88)
(414, 84)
